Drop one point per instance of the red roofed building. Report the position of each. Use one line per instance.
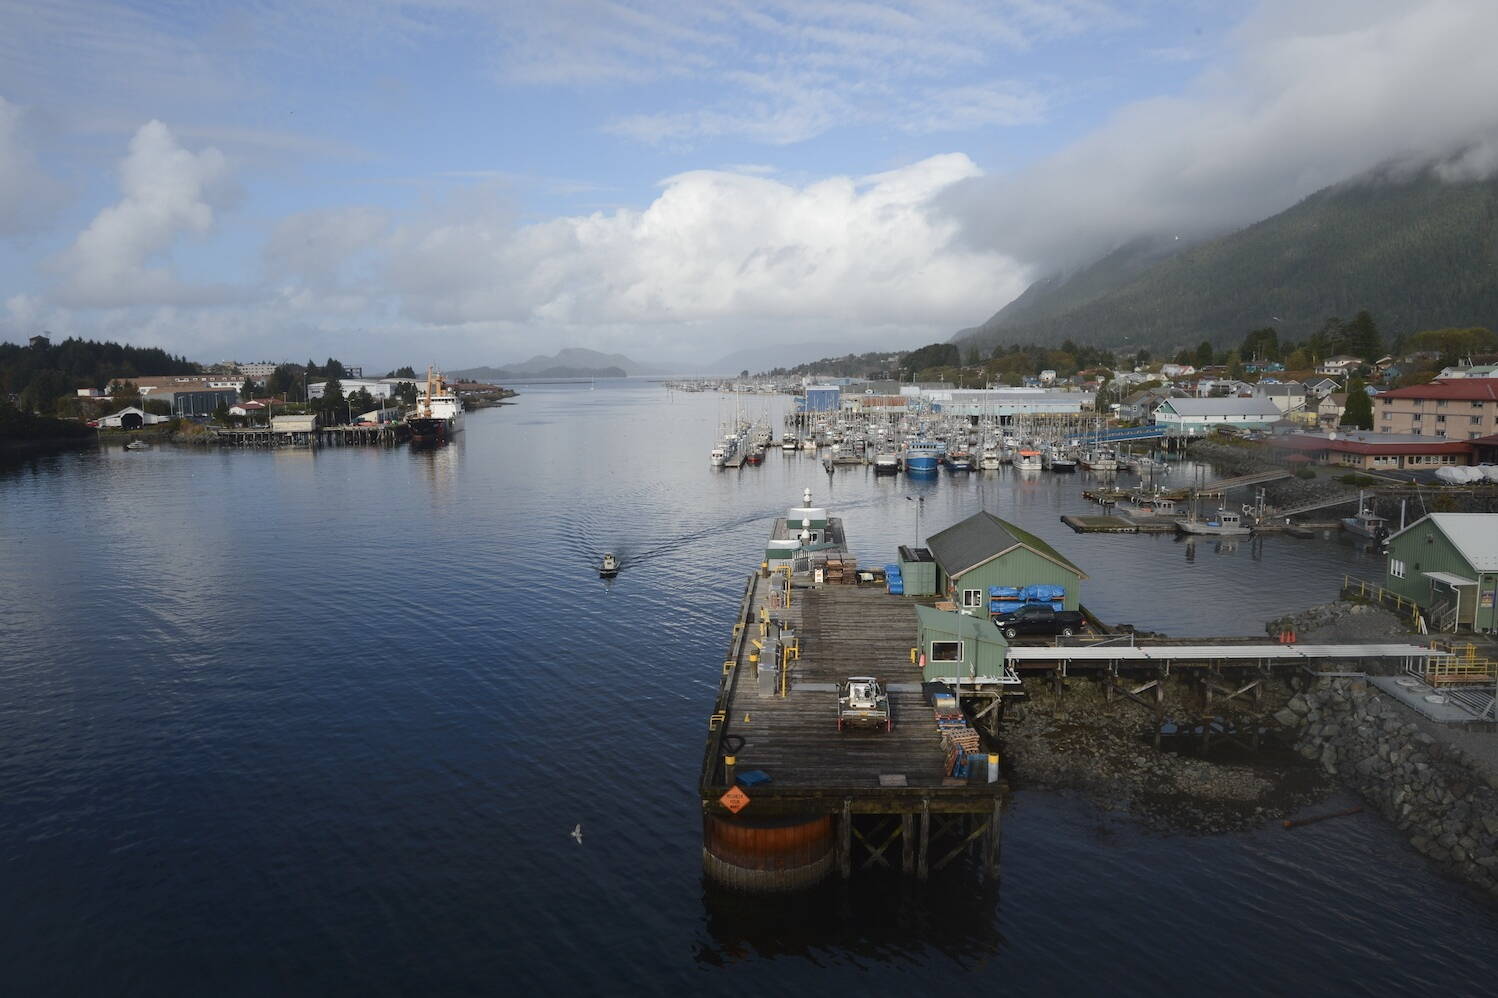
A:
(1374, 451)
(1459, 409)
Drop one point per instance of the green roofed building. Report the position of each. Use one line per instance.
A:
(984, 551)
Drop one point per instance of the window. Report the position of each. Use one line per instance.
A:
(1416, 431)
(1477, 405)
(1416, 417)
(1475, 420)
(1387, 401)
(972, 599)
(1396, 568)
(946, 651)
(1388, 416)
(1441, 404)
(1440, 419)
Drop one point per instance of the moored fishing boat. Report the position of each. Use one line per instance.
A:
(1028, 459)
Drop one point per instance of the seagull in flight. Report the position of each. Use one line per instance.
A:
(577, 833)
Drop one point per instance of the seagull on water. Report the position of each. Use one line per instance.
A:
(577, 833)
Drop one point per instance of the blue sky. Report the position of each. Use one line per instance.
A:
(466, 182)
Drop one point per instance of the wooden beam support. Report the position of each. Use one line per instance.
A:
(922, 869)
(991, 853)
(845, 861)
(907, 845)
(982, 826)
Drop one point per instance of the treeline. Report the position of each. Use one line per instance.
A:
(879, 365)
(41, 372)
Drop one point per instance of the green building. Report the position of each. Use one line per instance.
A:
(984, 551)
(918, 569)
(958, 648)
(1448, 563)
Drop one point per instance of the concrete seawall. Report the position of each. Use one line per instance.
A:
(1443, 797)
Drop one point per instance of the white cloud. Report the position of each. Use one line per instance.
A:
(122, 258)
(1309, 95)
(27, 194)
(715, 255)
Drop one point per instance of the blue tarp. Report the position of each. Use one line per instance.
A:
(892, 571)
(1044, 594)
(1004, 605)
(1003, 592)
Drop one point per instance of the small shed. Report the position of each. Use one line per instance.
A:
(958, 648)
(984, 551)
(918, 569)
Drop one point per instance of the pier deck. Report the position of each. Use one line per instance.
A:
(844, 631)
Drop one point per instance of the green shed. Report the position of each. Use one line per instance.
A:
(918, 569)
(1448, 563)
(984, 551)
(959, 648)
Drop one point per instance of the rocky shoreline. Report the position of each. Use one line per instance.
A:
(1442, 797)
(1082, 740)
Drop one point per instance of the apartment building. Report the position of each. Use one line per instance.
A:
(1463, 409)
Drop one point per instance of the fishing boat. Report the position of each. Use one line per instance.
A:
(922, 457)
(719, 457)
(1059, 459)
(1099, 459)
(1028, 459)
(1366, 523)
(887, 463)
(990, 460)
(609, 567)
(438, 416)
(756, 455)
(788, 442)
(959, 460)
(1225, 524)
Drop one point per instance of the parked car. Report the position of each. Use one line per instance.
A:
(1040, 619)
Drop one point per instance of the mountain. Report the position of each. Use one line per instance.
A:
(765, 358)
(570, 362)
(1416, 252)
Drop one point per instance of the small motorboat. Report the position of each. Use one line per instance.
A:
(609, 568)
(137, 445)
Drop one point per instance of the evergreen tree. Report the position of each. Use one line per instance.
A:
(1204, 354)
(247, 390)
(1358, 413)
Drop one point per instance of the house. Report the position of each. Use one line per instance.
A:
(956, 648)
(1330, 409)
(1468, 371)
(255, 407)
(1322, 387)
(1177, 370)
(130, 418)
(984, 551)
(1461, 409)
(1287, 396)
(1448, 564)
(1141, 405)
(1192, 416)
(1374, 451)
(1340, 366)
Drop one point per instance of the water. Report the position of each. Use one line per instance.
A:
(321, 723)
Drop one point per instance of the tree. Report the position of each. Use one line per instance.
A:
(1142, 358)
(1360, 338)
(403, 372)
(221, 414)
(361, 401)
(1261, 345)
(247, 390)
(334, 369)
(406, 392)
(1204, 354)
(284, 380)
(332, 404)
(124, 393)
(1183, 357)
(1358, 413)
(929, 356)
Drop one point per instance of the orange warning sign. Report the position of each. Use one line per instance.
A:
(735, 800)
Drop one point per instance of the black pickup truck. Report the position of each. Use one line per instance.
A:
(1040, 619)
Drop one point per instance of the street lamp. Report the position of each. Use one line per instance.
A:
(920, 504)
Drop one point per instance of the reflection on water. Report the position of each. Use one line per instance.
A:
(246, 747)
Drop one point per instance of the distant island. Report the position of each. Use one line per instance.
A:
(571, 362)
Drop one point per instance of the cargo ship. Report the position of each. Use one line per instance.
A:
(438, 415)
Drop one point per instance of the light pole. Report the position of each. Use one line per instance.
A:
(920, 503)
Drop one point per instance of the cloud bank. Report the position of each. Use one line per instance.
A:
(1309, 95)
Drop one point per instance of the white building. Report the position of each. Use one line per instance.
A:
(130, 418)
(1176, 370)
(1196, 416)
(1339, 366)
(1009, 401)
(380, 388)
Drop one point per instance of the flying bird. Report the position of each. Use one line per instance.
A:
(577, 833)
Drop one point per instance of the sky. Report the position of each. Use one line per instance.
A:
(466, 182)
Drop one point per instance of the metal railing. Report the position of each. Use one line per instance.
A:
(1373, 593)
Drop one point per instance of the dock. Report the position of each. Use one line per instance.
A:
(852, 799)
(384, 434)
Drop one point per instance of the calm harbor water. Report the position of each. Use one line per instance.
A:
(321, 723)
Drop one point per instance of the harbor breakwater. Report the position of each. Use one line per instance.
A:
(1442, 797)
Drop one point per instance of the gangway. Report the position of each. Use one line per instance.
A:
(1311, 507)
(1120, 434)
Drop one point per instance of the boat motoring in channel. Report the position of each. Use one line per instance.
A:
(438, 415)
(609, 567)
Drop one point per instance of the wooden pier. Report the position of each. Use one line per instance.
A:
(871, 798)
(386, 434)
